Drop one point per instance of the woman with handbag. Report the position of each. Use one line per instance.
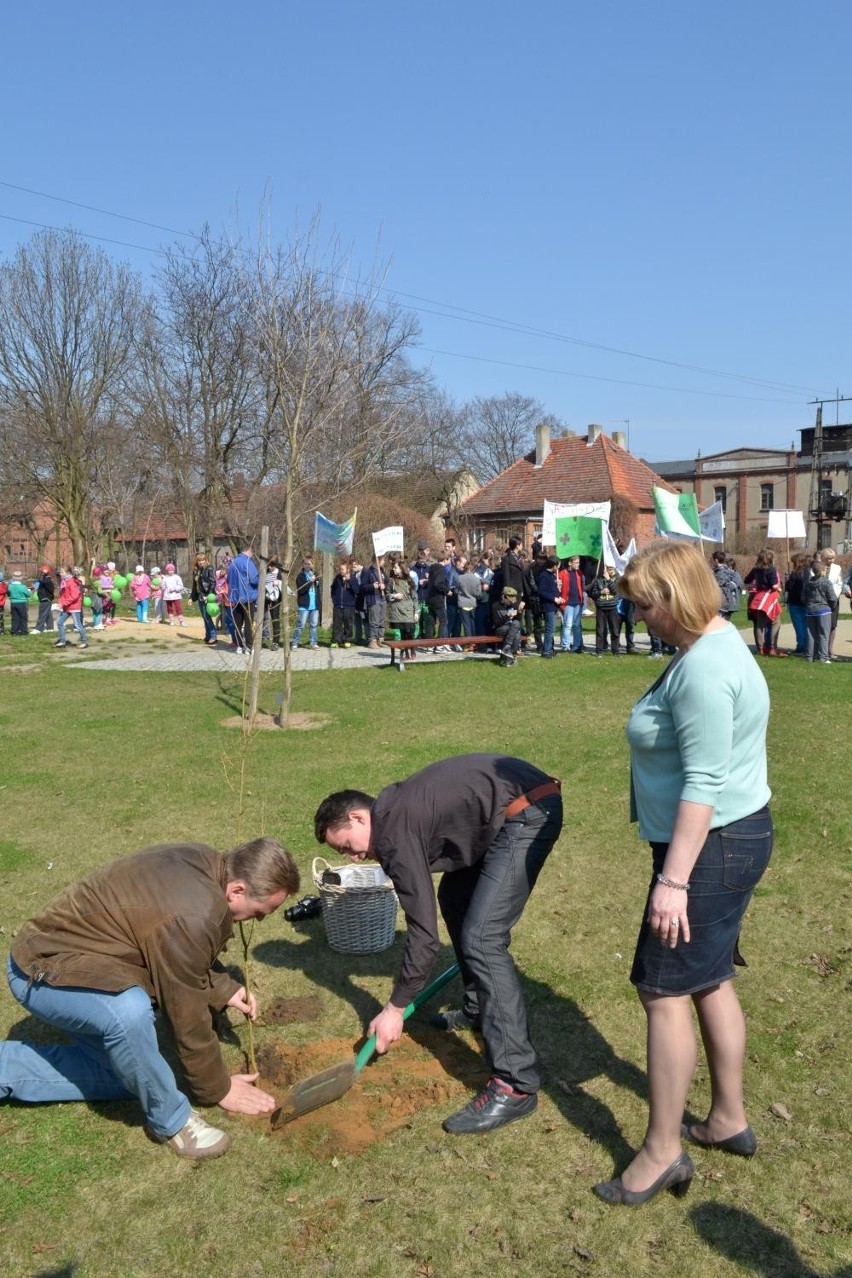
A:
(764, 604)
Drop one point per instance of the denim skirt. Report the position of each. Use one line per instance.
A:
(728, 867)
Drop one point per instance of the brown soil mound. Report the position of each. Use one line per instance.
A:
(284, 1011)
(303, 721)
(411, 1077)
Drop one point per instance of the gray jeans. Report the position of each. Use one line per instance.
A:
(480, 905)
(819, 628)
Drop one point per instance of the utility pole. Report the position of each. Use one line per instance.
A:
(820, 511)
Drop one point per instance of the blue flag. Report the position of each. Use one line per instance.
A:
(331, 538)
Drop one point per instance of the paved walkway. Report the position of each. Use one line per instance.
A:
(192, 655)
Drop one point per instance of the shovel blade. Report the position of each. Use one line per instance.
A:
(311, 1093)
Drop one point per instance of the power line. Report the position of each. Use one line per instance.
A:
(60, 199)
(592, 377)
(44, 226)
(462, 314)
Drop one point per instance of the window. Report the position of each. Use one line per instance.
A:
(721, 494)
(477, 539)
(767, 496)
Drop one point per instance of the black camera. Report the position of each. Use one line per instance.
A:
(308, 908)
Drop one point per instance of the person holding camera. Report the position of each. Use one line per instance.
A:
(506, 614)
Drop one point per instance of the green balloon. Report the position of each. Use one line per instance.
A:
(213, 610)
(119, 582)
(155, 582)
(115, 596)
(211, 598)
(87, 601)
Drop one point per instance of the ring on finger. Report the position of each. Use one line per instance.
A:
(674, 923)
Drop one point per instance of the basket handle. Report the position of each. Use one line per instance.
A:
(319, 866)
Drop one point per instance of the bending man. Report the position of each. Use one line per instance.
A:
(488, 822)
(141, 933)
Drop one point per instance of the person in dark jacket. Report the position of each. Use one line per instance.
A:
(343, 606)
(45, 590)
(487, 822)
(437, 589)
(204, 584)
(138, 934)
(506, 614)
(550, 602)
(603, 591)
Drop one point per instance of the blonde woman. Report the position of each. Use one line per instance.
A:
(698, 790)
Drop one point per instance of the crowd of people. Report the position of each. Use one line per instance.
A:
(528, 603)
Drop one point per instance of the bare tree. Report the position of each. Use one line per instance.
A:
(497, 431)
(67, 318)
(204, 395)
(324, 345)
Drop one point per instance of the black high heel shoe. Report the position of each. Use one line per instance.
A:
(677, 1178)
(744, 1143)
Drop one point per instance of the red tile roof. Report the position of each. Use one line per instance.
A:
(573, 470)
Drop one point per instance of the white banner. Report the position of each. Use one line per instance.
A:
(387, 539)
(554, 510)
(712, 521)
(786, 523)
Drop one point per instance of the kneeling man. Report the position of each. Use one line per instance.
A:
(488, 822)
(141, 933)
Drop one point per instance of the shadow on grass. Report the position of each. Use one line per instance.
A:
(747, 1241)
(67, 1271)
(572, 1051)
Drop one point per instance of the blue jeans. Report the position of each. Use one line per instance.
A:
(209, 623)
(480, 905)
(799, 618)
(142, 611)
(549, 631)
(77, 618)
(114, 1055)
(572, 628)
(311, 615)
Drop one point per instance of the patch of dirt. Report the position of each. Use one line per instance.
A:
(284, 1011)
(303, 721)
(413, 1076)
(26, 668)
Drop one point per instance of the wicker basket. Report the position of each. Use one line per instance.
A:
(359, 914)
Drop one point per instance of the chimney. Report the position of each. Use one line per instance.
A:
(593, 433)
(542, 443)
(619, 438)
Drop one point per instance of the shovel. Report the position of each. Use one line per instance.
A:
(331, 1084)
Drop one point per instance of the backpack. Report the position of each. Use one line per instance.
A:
(730, 591)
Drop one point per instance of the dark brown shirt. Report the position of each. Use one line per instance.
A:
(441, 819)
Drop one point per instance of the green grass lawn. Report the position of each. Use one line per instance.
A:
(95, 764)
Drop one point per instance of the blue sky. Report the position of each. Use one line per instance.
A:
(666, 178)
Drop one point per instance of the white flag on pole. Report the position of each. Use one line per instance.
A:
(612, 556)
(712, 522)
(387, 539)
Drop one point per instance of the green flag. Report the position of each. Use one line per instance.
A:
(578, 535)
(677, 513)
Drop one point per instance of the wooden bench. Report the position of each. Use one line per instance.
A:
(465, 642)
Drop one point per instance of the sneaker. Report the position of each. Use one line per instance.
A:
(196, 1139)
(238, 651)
(60, 644)
(314, 647)
(497, 1105)
(82, 646)
(455, 1018)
